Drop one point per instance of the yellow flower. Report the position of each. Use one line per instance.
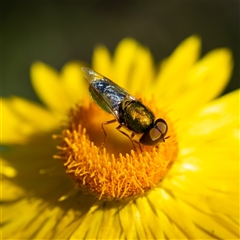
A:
(197, 198)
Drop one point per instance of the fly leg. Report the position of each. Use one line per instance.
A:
(138, 143)
(130, 137)
(105, 133)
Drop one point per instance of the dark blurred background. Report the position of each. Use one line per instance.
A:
(56, 32)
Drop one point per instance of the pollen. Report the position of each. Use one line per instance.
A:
(115, 172)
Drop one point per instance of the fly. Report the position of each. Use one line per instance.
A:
(128, 111)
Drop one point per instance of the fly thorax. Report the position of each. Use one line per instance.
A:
(136, 116)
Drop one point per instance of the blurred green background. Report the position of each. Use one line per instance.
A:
(55, 32)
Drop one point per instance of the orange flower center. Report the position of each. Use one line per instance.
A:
(115, 172)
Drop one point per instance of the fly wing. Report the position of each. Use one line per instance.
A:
(107, 94)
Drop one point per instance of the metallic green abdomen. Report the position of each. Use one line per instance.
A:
(137, 117)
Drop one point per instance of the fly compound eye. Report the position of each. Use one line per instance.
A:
(162, 126)
(155, 134)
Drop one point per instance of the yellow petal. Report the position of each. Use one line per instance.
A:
(207, 171)
(179, 226)
(6, 169)
(207, 182)
(101, 62)
(40, 118)
(174, 69)
(212, 226)
(21, 118)
(9, 124)
(154, 225)
(16, 227)
(73, 81)
(205, 81)
(111, 226)
(141, 225)
(11, 191)
(124, 59)
(142, 74)
(10, 215)
(47, 85)
(14, 129)
(86, 229)
(66, 224)
(133, 65)
(129, 229)
(217, 120)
